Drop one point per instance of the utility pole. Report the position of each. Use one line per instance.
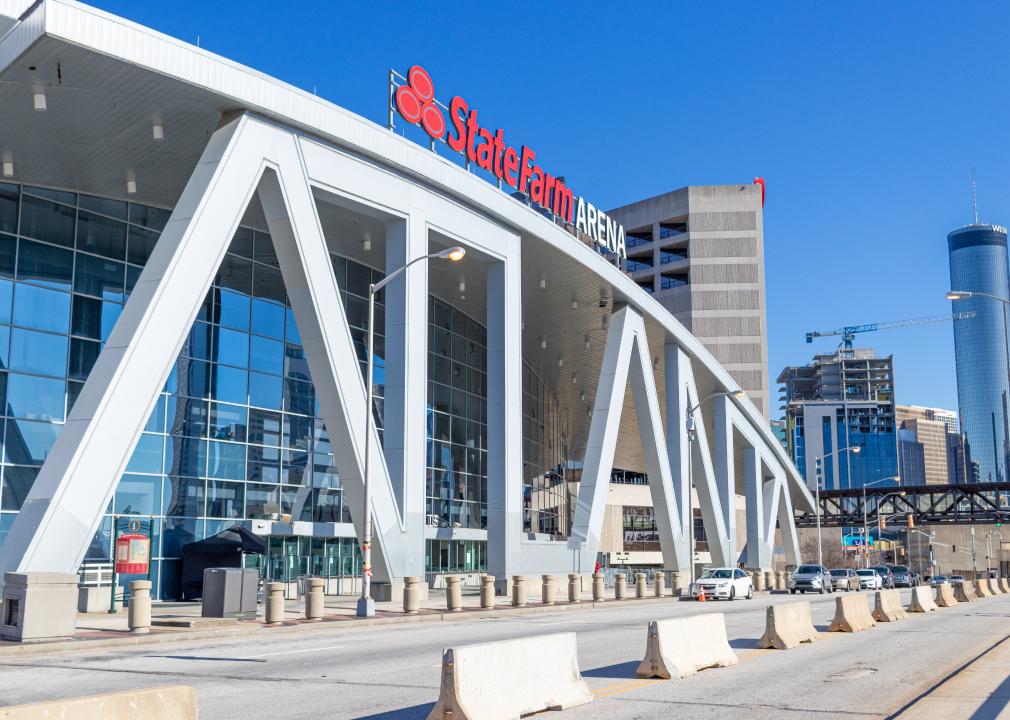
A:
(974, 565)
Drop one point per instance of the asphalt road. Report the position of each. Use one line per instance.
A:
(392, 672)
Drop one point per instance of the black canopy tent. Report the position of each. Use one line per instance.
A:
(222, 550)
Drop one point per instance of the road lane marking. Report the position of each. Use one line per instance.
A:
(289, 652)
(623, 687)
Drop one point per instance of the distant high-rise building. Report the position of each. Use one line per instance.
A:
(959, 471)
(922, 432)
(978, 264)
(700, 251)
(839, 401)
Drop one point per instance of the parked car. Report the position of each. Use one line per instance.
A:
(869, 579)
(938, 580)
(844, 579)
(902, 576)
(725, 583)
(886, 577)
(813, 578)
(956, 579)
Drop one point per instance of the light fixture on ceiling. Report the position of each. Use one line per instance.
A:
(131, 184)
(158, 132)
(462, 286)
(561, 362)
(543, 284)
(575, 378)
(543, 343)
(366, 244)
(8, 165)
(39, 98)
(575, 304)
(587, 342)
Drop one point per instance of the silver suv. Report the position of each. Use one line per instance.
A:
(813, 578)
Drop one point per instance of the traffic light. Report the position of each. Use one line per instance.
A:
(999, 520)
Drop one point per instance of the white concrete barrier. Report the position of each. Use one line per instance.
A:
(994, 587)
(964, 592)
(1004, 585)
(680, 647)
(788, 625)
(945, 595)
(852, 614)
(981, 588)
(888, 606)
(173, 702)
(922, 600)
(504, 680)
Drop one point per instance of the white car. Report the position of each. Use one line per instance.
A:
(724, 583)
(870, 580)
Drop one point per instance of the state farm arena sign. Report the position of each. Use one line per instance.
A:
(413, 97)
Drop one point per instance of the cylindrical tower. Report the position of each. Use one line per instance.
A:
(978, 264)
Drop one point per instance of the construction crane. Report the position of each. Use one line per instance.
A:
(849, 332)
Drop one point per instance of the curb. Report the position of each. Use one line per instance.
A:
(128, 640)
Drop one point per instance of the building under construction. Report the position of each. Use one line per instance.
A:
(839, 401)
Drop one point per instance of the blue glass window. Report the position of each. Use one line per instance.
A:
(39, 352)
(45, 265)
(186, 456)
(8, 210)
(94, 318)
(101, 235)
(83, 355)
(29, 443)
(225, 499)
(231, 384)
(102, 278)
(105, 206)
(265, 390)
(147, 456)
(183, 497)
(233, 309)
(44, 220)
(42, 309)
(154, 218)
(266, 355)
(228, 422)
(232, 348)
(226, 460)
(268, 319)
(139, 495)
(17, 483)
(141, 245)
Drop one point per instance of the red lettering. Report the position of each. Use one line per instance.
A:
(548, 186)
(499, 143)
(537, 185)
(485, 159)
(564, 201)
(471, 131)
(510, 165)
(525, 167)
(457, 111)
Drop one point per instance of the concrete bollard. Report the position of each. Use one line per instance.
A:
(487, 592)
(619, 587)
(411, 595)
(781, 583)
(548, 590)
(769, 580)
(640, 586)
(598, 588)
(659, 585)
(680, 583)
(758, 579)
(574, 588)
(314, 598)
(453, 594)
(139, 617)
(274, 612)
(518, 591)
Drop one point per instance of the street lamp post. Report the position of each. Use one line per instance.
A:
(691, 436)
(819, 466)
(866, 530)
(366, 606)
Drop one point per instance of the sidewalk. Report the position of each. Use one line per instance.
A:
(179, 622)
(979, 690)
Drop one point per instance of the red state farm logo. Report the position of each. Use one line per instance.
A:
(416, 102)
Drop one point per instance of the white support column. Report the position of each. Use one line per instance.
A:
(758, 553)
(504, 418)
(677, 368)
(405, 378)
(787, 527)
(65, 505)
(725, 471)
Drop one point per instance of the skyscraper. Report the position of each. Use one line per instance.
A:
(978, 265)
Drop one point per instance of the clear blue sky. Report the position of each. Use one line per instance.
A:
(864, 120)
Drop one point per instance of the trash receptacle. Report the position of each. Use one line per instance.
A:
(230, 592)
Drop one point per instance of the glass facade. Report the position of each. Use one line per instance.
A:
(978, 263)
(235, 434)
